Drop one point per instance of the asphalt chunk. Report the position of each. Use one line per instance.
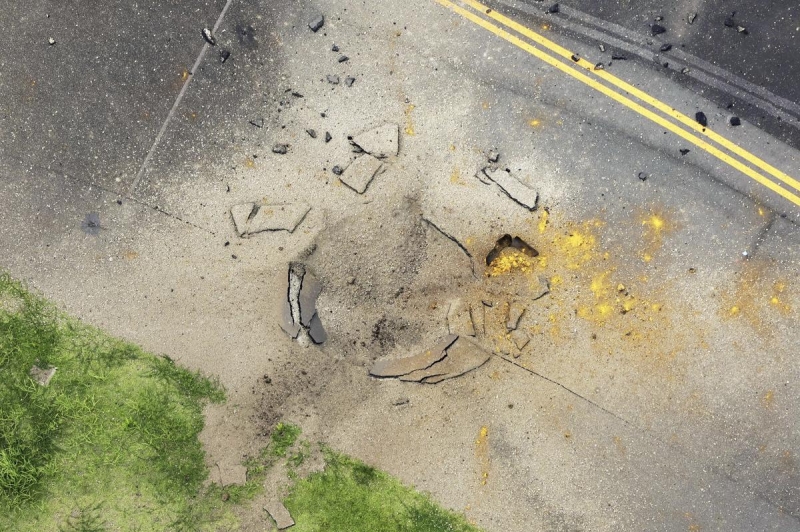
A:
(553, 8)
(343, 59)
(700, 116)
(734, 121)
(349, 81)
(311, 133)
(316, 23)
(280, 149)
(224, 55)
(666, 47)
(328, 137)
(657, 29)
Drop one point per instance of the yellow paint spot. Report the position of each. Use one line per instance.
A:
(545, 27)
(485, 105)
(249, 163)
(543, 221)
(510, 261)
(409, 121)
(535, 122)
(184, 75)
(556, 280)
(768, 399)
(482, 454)
(647, 257)
(734, 311)
(455, 177)
(761, 211)
(452, 147)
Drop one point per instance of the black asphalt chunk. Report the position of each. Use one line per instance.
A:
(666, 47)
(209, 37)
(691, 18)
(317, 23)
(553, 9)
(224, 55)
(618, 57)
(684, 151)
(575, 58)
(343, 58)
(280, 149)
(700, 116)
(599, 66)
(657, 29)
(327, 137)
(334, 48)
(735, 121)
(297, 94)
(642, 176)
(311, 133)
(349, 81)
(333, 79)
(259, 122)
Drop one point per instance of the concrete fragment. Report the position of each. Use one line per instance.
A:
(493, 156)
(512, 187)
(288, 324)
(463, 356)
(381, 141)
(343, 58)
(312, 133)
(280, 149)
(349, 81)
(333, 79)
(459, 320)
(232, 475)
(520, 339)
(316, 23)
(42, 376)
(515, 312)
(404, 366)
(316, 331)
(278, 512)
(327, 137)
(251, 218)
(691, 18)
(360, 173)
(309, 292)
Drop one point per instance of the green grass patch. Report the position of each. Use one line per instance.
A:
(349, 495)
(110, 444)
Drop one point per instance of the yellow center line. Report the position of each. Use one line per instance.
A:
(700, 143)
(643, 96)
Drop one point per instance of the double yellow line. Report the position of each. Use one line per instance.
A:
(790, 188)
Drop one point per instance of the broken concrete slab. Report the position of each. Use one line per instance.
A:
(381, 141)
(252, 218)
(459, 320)
(463, 356)
(520, 339)
(361, 172)
(404, 366)
(232, 475)
(512, 187)
(316, 331)
(309, 292)
(278, 512)
(287, 323)
(42, 376)
(515, 312)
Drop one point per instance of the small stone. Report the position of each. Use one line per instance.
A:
(327, 137)
(657, 29)
(311, 133)
(515, 312)
(520, 339)
(334, 48)
(685, 70)
(225, 496)
(343, 58)
(742, 30)
(602, 47)
(684, 151)
(665, 64)
(643, 176)
(333, 79)
(280, 149)
(278, 512)
(617, 56)
(337, 170)
(224, 55)
(51, 41)
(553, 9)
(734, 121)
(691, 18)
(119, 201)
(599, 66)
(349, 81)
(316, 23)
(575, 58)
(700, 116)
(209, 37)
(666, 47)
(493, 156)
(296, 94)
(659, 18)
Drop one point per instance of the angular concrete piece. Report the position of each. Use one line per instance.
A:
(463, 356)
(513, 188)
(515, 312)
(316, 331)
(381, 141)
(278, 512)
(287, 322)
(520, 339)
(251, 218)
(42, 376)
(235, 475)
(478, 314)
(459, 320)
(309, 292)
(404, 366)
(360, 173)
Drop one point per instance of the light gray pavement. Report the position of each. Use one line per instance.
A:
(677, 415)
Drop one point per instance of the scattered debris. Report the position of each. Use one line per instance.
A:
(691, 18)
(333, 79)
(361, 172)
(280, 149)
(659, 18)
(259, 122)
(343, 58)
(515, 312)
(506, 241)
(657, 29)
(666, 47)
(349, 81)
(252, 218)
(334, 48)
(316, 23)
(299, 309)
(224, 55)
(493, 156)
(404, 366)
(734, 121)
(520, 339)
(209, 37)
(553, 9)
(381, 141)
(643, 176)
(700, 116)
(42, 376)
(235, 475)
(311, 133)
(684, 151)
(459, 319)
(51, 41)
(512, 187)
(91, 224)
(327, 137)
(278, 512)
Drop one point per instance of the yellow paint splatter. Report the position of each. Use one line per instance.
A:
(768, 399)
(535, 122)
(510, 261)
(543, 220)
(482, 453)
(409, 122)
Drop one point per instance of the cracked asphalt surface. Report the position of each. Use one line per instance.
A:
(660, 384)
